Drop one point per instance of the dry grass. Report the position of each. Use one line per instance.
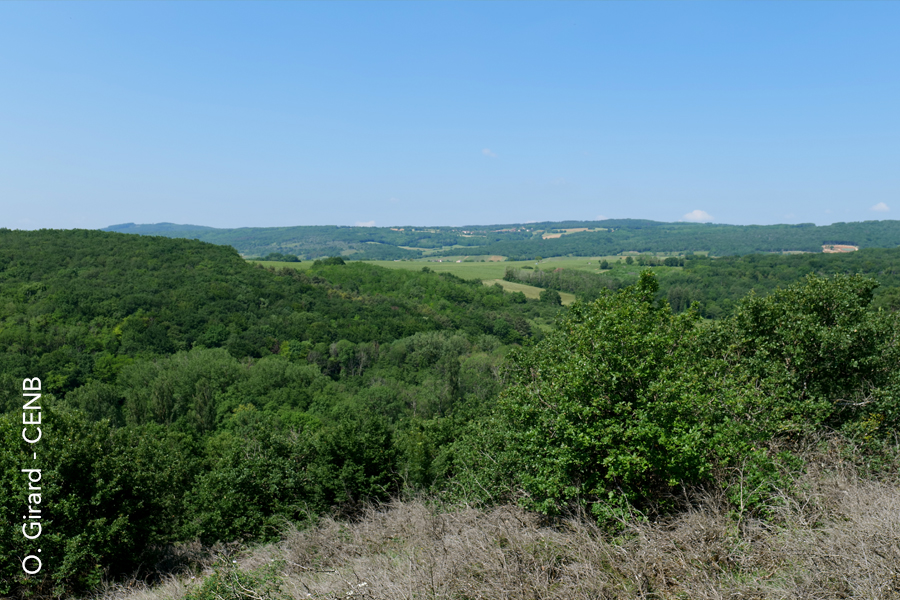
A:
(836, 535)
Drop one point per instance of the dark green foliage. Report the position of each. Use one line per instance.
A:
(279, 257)
(195, 396)
(597, 412)
(812, 354)
(628, 400)
(329, 262)
(719, 284)
(79, 305)
(551, 297)
(108, 495)
(264, 474)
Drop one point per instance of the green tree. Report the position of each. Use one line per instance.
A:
(814, 353)
(551, 297)
(599, 412)
(627, 400)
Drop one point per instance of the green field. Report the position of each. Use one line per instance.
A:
(473, 270)
(530, 291)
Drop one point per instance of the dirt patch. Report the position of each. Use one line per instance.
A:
(836, 248)
(548, 236)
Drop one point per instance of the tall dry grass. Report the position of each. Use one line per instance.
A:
(835, 534)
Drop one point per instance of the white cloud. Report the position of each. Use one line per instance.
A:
(365, 224)
(487, 152)
(697, 216)
(880, 207)
(394, 200)
(601, 218)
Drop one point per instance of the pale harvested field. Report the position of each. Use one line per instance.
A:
(837, 248)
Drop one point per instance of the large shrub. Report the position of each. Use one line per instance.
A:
(627, 400)
(108, 498)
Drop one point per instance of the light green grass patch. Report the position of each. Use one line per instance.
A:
(530, 291)
(472, 270)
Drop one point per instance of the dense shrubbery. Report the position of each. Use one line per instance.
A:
(627, 401)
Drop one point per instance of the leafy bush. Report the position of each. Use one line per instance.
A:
(551, 297)
(627, 400)
(262, 475)
(331, 261)
(109, 496)
(279, 257)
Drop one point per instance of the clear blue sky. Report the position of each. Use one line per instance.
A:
(286, 113)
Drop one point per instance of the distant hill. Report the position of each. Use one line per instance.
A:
(530, 240)
(158, 229)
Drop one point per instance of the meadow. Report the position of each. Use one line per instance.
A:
(530, 291)
(487, 270)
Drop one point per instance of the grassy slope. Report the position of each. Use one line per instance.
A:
(530, 291)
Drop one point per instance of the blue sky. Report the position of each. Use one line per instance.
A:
(272, 114)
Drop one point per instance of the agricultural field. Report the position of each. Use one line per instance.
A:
(489, 269)
(530, 291)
